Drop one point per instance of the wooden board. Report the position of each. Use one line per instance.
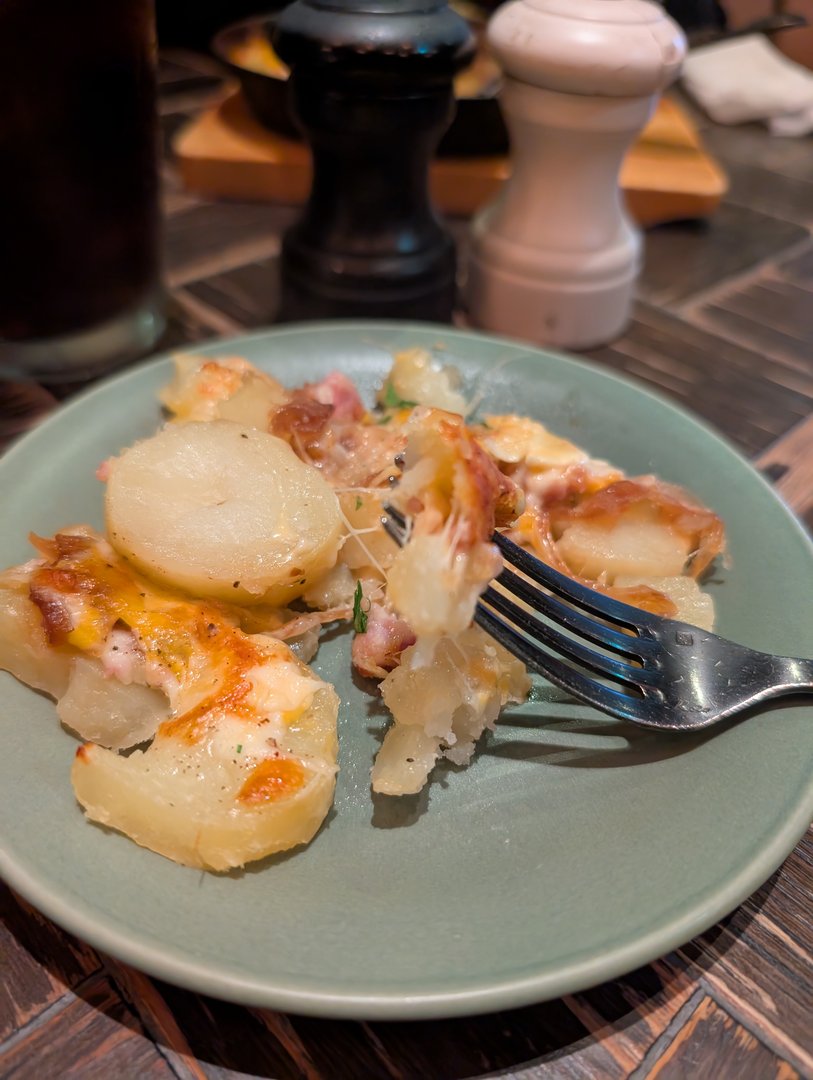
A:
(224, 152)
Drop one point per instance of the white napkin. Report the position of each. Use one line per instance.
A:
(747, 78)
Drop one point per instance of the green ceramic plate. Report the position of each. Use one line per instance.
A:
(572, 850)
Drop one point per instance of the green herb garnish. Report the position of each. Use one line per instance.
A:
(359, 503)
(393, 400)
(359, 616)
(239, 748)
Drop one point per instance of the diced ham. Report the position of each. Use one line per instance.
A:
(377, 651)
(337, 390)
(57, 620)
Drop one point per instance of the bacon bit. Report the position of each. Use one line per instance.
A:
(43, 545)
(62, 546)
(272, 779)
(377, 651)
(56, 616)
(339, 392)
(82, 754)
(301, 417)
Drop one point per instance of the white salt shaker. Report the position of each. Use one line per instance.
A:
(555, 258)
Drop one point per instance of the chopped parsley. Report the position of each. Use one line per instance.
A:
(239, 748)
(359, 616)
(359, 502)
(391, 399)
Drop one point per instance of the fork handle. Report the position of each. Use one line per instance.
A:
(793, 675)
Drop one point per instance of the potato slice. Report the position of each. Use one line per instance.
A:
(24, 648)
(228, 388)
(419, 378)
(103, 710)
(223, 511)
(638, 545)
(226, 799)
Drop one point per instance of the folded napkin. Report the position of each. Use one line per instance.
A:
(748, 78)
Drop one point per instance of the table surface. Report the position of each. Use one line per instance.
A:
(724, 324)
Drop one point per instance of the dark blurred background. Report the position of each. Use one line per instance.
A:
(192, 23)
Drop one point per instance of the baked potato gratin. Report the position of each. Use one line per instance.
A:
(176, 645)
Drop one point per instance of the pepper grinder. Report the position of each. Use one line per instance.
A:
(371, 89)
(555, 258)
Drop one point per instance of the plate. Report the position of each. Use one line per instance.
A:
(572, 850)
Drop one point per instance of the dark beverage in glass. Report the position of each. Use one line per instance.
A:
(79, 200)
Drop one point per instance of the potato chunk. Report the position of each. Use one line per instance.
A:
(223, 511)
(638, 545)
(442, 699)
(418, 378)
(103, 710)
(24, 647)
(220, 801)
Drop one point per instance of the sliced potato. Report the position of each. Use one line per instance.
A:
(228, 388)
(103, 710)
(223, 511)
(24, 648)
(419, 378)
(638, 544)
(511, 439)
(223, 800)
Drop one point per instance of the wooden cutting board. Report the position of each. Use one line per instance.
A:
(225, 152)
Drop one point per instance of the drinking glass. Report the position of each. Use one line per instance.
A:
(79, 199)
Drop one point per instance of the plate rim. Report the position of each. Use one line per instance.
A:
(501, 993)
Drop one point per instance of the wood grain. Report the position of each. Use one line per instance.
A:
(711, 1035)
(724, 381)
(40, 963)
(93, 1036)
(686, 259)
(791, 459)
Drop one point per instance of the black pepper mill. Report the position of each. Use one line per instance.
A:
(371, 86)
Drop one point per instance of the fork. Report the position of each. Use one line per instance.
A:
(652, 671)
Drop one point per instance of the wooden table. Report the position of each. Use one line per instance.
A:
(725, 325)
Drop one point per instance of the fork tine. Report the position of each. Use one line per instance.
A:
(394, 528)
(396, 515)
(638, 709)
(540, 632)
(572, 619)
(581, 595)
(534, 652)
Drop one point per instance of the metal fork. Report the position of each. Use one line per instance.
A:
(651, 671)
